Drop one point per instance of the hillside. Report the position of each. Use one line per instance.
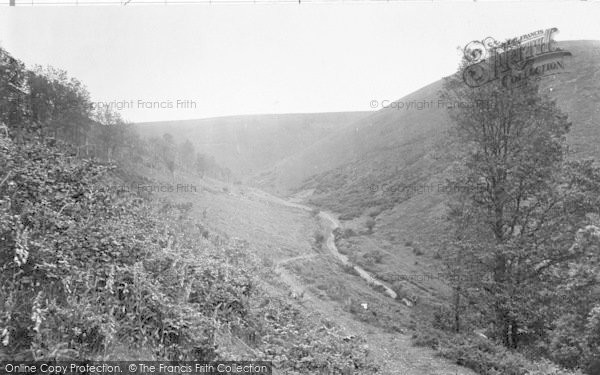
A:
(389, 165)
(296, 268)
(407, 146)
(190, 267)
(249, 144)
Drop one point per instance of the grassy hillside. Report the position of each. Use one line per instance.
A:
(389, 168)
(249, 144)
(402, 147)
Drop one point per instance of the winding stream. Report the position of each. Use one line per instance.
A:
(334, 224)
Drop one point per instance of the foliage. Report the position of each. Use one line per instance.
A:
(87, 269)
(90, 272)
(591, 340)
(525, 249)
(370, 223)
(319, 238)
(60, 105)
(482, 355)
(81, 261)
(374, 256)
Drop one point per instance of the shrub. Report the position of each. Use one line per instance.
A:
(443, 317)
(374, 212)
(426, 338)
(319, 238)
(349, 269)
(94, 268)
(591, 341)
(400, 290)
(374, 256)
(565, 347)
(370, 223)
(545, 367)
(377, 287)
(348, 232)
(482, 355)
(417, 251)
(349, 215)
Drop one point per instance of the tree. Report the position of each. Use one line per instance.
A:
(112, 131)
(517, 208)
(186, 153)
(168, 152)
(201, 164)
(13, 92)
(59, 104)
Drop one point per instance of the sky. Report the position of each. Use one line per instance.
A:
(173, 62)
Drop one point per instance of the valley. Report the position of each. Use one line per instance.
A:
(334, 212)
(452, 231)
(315, 277)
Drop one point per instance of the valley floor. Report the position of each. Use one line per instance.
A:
(305, 271)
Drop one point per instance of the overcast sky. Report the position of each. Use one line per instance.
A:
(280, 58)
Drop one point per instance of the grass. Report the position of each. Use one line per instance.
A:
(412, 148)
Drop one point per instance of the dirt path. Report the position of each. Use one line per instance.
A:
(297, 288)
(299, 257)
(332, 223)
(278, 228)
(393, 352)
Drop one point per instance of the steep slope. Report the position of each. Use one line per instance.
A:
(407, 144)
(384, 131)
(296, 269)
(391, 166)
(248, 144)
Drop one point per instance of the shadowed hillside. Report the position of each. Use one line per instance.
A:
(400, 147)
(248, 144)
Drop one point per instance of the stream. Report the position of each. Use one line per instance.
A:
(334, 224)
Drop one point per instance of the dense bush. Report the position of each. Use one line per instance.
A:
(319, 238)
(591, 340)
(348, 232)
(374, 256)
(85, 267)
(90, 272)
(565, 342)
(370, 224)
(482, 355)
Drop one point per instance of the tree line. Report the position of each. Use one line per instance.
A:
(44, 102)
